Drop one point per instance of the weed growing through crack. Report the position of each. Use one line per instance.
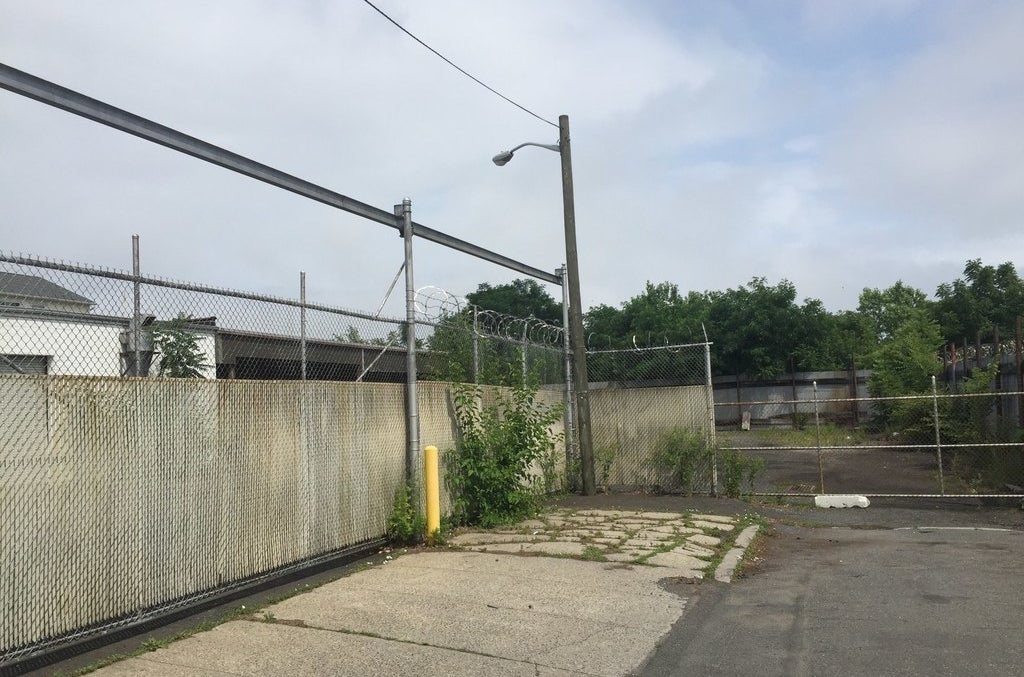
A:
(152, 644)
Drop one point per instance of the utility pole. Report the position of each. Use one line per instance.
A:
(579, 348)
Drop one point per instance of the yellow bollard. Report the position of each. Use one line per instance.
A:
(430, 477)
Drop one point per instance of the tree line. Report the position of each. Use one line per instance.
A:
(760, 329)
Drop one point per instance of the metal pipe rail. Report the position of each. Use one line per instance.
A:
(71, 101)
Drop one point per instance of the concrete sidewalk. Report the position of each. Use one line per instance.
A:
(474, 612)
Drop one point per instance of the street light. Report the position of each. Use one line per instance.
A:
(579, 350)
(502, 158)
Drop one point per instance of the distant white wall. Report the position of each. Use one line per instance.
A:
(80, 348)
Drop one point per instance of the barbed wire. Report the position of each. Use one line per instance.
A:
(433, 303)
(606, 343)
(528, 329)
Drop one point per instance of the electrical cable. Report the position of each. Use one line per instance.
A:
(453, 65)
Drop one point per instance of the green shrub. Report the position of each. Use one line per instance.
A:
(488, 471)
(680, 452)
(604, 457)
(739, 470)
(180, 355)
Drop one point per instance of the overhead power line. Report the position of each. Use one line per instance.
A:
(456, 67)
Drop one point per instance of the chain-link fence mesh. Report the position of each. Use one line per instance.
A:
(124, 495)
(822, 432)
(121, 497)
(76, 320)
(464, 344)
(163, 441)
(652, 419)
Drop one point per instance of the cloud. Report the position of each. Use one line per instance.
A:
(940, 139)
(825, 19)
(708, 147)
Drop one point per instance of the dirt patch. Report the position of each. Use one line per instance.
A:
(846, 471)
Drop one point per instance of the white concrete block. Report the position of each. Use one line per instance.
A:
(841, 501)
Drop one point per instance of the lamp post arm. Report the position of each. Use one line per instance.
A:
(550, 146)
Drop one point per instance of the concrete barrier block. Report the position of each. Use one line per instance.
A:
(841, 501)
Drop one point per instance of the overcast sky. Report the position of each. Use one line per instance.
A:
(835, 143)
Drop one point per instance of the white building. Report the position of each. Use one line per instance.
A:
(47, 329)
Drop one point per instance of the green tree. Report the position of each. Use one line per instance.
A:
(519, 298)
(889, 308)
(451, 342)
(660, 315)
(904, 365)
(180, 356)
(985, 297)
(757, 327)
(834, 340)
(450, 350)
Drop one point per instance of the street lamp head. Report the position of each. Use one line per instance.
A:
(502, 158)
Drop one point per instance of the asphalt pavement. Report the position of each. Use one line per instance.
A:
(933, 600)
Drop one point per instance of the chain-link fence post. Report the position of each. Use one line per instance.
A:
(412, 423)
(476, 344)
(711, 418)
(136, 307)
(302, 322)
(938, 438)
(136, 346)
(1018, 345)
(817, 439)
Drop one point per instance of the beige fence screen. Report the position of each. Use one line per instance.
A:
(119, 495)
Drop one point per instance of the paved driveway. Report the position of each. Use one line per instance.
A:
(516, 601)
(842, 601)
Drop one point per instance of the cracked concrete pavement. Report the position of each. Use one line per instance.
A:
(575, 592)
(683, 543)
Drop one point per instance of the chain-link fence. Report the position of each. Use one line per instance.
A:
(64, 319)
(164, 441)
(823, 433)
(652, 419)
